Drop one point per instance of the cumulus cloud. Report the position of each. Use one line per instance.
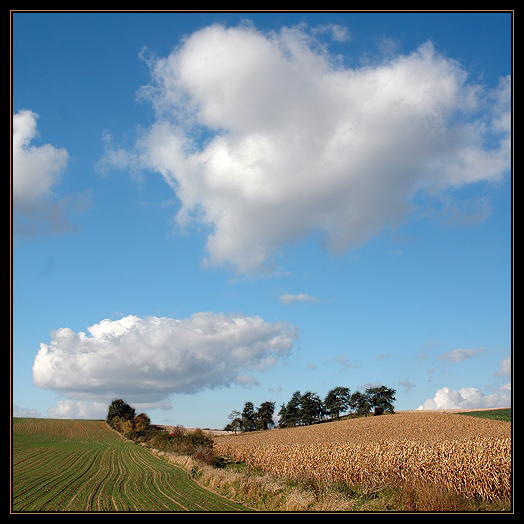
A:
(468, 398)
(287, 299)
(146, 360)
(267, 138)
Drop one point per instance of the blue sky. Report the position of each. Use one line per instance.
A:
(211, 208)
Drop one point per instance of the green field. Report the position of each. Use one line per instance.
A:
(503, 414)
(83, 465)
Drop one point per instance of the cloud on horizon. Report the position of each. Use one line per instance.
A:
(468, 398)
(146, 360)
(25, 412)
(267, 138)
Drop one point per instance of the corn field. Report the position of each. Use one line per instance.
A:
(463, 454)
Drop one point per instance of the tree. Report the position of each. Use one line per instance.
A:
(117, 423)
(142, 425)
(290, 412)
(293, 410)
(127, 429)
(236, 421)
(234, 425)
(283, 416)
(359, 402)
(381, 399)
(337, 401)
(248, 417)
(142, 419)
(310, 408)
(119, 408)
(264, 415)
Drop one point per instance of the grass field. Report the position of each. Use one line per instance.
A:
(503, 414)
(466, 455)
(79, 465)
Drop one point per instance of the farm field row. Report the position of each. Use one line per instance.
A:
(78, 465)
(469, 455)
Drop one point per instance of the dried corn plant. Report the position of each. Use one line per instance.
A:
(466, 455)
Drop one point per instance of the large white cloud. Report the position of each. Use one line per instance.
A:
(267, 138)
(146, 360)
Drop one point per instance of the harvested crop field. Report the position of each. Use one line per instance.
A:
(465, 454)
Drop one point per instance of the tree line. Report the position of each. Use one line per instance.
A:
(195, 443)
(304, 409)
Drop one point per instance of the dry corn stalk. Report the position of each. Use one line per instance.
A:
(477, 465)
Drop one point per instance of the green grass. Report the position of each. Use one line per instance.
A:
(495, 414)
(79, 465)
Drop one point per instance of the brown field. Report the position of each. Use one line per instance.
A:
(464, 454)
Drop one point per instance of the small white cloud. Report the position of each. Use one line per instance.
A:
(505, 368)
(287, 299)
(406, 384)
(342, 361)
(146, 360)
(467, 398)
(458, 355)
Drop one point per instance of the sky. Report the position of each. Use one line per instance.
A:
(215, 208)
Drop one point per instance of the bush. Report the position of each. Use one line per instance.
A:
(160, 441)
(198, 438)
(204, 454)
(192, 443)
